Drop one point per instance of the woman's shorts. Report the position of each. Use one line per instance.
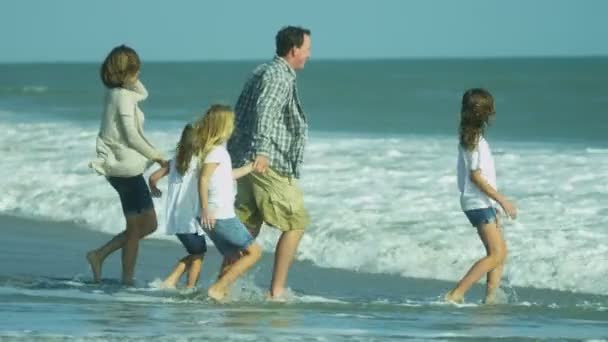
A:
(134, 194)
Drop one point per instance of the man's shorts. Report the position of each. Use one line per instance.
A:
(271, 198)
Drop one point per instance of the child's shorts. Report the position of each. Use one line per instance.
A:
(478, 217)
(230, 236)
(194, 243)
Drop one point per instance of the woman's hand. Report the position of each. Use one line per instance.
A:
(161, 162)
(154, 190)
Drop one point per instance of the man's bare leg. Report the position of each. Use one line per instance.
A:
(286, 249)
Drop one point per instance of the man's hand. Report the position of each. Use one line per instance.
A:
(260, 164)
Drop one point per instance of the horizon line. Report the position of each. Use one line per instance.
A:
(327, 59)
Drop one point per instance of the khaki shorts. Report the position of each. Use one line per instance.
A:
(270, 198)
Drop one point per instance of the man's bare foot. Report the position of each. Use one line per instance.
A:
(451, 297)
(128, 282)
(216, 293)
(276, 299)
(280, 297)
(95, 264)
(491, 297)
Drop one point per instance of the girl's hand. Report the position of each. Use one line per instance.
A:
(509, 209)
(207, 219)
(260, 164)
(248, 167)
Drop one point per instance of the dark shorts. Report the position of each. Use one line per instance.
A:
(194, 243)
(478, 217)
(134, 194)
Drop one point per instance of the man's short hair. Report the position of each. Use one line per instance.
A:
(289, 37)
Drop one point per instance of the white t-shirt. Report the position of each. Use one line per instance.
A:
(222, 190)
(183, 203)
(471, 197)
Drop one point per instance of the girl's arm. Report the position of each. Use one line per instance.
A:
(242, 171)
(155, 177)
(207, 218)
(487, 189)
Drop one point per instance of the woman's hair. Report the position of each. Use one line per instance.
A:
(186, 147)
(477, 108)
(121, 63)
(215, 128)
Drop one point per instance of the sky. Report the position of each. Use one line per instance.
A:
(178, 30)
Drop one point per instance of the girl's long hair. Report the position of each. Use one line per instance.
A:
(215, 128)
(186, 147)
(477, 109)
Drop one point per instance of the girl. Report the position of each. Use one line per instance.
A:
(123, 153)
(478, 194)
(217, 194)
(183, 207)
(215, 198)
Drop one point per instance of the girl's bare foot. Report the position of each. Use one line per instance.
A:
(452, 297)
(216, 293)
(95, 264)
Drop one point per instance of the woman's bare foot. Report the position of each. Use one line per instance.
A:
(215, 292)
(452, 297)
(95, 264)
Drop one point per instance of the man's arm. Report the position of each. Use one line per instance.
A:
(269, 106)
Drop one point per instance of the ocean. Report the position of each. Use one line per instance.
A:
(387, 237)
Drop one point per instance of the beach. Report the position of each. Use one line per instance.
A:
(387, 238)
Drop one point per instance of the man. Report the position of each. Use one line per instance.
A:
(271, 130)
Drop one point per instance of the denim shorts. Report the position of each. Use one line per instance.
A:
(230, 236)
(134, 194)
(194, 243)
(477, 217)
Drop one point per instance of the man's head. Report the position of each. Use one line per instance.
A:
(293, 44)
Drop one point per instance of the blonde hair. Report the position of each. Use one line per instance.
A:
(186, 147)
(215, 128)
(477, 108)
(120, 64)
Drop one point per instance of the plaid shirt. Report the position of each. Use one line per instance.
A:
(269, 120)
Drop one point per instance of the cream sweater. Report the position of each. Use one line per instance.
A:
(122, 149)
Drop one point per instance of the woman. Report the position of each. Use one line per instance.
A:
(123, 153)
